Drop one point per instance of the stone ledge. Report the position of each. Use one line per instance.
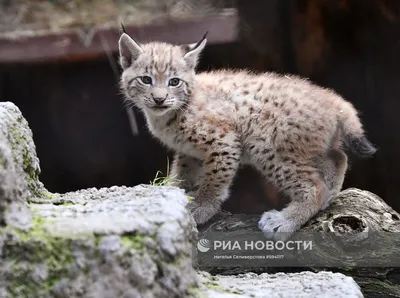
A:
(305, 284)
(136, 239)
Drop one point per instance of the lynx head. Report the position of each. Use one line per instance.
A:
(158, 77)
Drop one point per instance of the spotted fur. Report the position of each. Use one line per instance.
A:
(289, 129)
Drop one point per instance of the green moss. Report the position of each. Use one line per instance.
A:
(47, 195)
(97, 239)
(128, 241)
(19, 290)
(3, 162)
(213, 285)
(67, 204)
(30, 249)
(18, 143)
(197, 292)
(135, 242)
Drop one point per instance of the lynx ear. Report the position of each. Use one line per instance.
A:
(129, 50)
(193, 51)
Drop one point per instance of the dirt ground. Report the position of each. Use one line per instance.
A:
(32, 17)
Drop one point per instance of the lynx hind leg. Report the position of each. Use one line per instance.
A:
(333, 168)
(307, 192)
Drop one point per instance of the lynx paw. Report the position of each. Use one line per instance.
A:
(201, 213)
(275, 226)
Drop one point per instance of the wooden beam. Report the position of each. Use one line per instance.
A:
(70, 45)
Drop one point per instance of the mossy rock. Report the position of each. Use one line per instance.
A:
(110, 242)
(139, 240)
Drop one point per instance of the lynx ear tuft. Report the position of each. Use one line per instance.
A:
(123, 30)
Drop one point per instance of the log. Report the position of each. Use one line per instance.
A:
(357, 235)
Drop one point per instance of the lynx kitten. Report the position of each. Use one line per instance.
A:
(289, 129)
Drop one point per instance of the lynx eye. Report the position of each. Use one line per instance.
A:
(174, 82)
(146, 80)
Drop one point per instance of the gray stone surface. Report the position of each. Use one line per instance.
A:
(19, 167)
(115, 242)
(18, 151)
(296, 285)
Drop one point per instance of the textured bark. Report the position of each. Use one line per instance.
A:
(351, 214)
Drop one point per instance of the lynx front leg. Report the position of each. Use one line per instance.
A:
(220, 167)
(185, 172)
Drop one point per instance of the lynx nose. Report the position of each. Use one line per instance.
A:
(159, 100)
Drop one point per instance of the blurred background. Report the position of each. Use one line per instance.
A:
(58, 64)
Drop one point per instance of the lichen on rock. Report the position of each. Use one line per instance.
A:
(120, 236)
(19, 168)
(19, 139)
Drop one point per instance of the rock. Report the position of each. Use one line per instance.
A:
(19, 167)
(136, 239)
(110, 242)
(18, 152)
(358, 235)
(304, 284)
